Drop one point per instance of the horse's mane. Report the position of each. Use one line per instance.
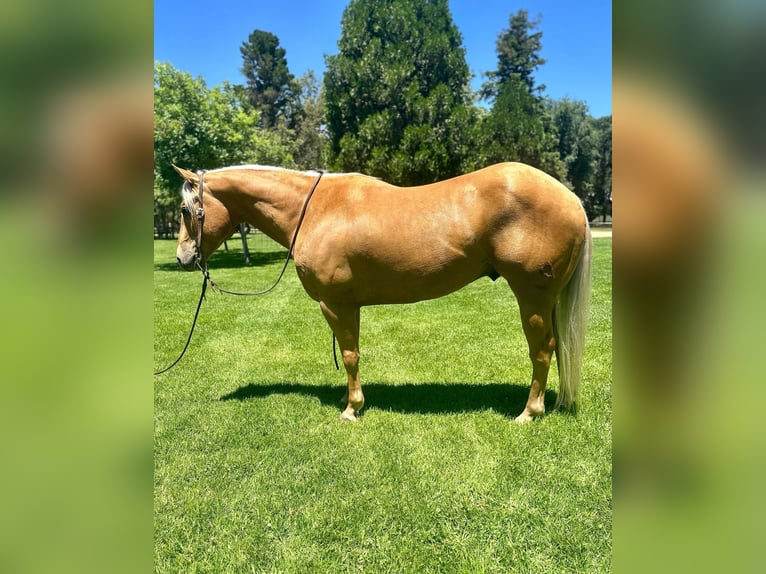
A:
(250, 166)
(258, 167)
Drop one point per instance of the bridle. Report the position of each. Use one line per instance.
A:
(201, 262)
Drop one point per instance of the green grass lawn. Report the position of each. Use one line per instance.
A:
(255, 473)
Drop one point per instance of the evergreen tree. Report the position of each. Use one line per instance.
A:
(518, 55)
(576, 143)
(599, 202)
(270, 85)
(397, 93)
(518, 127)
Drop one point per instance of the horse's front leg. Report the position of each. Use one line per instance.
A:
(344, 322)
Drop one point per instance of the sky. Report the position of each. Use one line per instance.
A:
(203, 38)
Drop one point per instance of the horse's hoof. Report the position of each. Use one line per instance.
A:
(525, 417)
(348, 415)
(530, 413)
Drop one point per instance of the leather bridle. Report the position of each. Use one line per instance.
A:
(201, 263)
(200, 213)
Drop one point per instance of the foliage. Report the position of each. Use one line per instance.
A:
(517, 129)
(254, 472)
(557, 136)
(398, 103)
(585, 148)
(518, 56)
(599, 202)
(199, 128)
(305, 131)
(575, 144)
(294, 109)
(270, 85)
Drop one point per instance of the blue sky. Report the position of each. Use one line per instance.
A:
(203, 38)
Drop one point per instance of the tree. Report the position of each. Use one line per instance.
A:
(517, 129)
(575, 145)
(599, 202)
(307, 133)
(397, 94)
(518, 56)
(270, 85)
(199, 128)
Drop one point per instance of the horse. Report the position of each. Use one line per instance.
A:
(366, 242)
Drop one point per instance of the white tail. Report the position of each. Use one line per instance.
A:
(570, 319)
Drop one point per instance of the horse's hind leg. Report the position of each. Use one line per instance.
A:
(344, 322)
(537, 320)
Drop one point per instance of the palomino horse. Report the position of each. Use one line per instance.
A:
(365, 242)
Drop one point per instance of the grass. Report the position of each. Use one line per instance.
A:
(254, 472)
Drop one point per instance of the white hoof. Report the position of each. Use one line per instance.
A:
(348, 415)
(526, 417)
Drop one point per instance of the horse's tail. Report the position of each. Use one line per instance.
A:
(570, 319)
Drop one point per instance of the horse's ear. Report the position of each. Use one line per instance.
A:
(186, 174)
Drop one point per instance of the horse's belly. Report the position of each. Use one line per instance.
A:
(376, 282)
(386, 265)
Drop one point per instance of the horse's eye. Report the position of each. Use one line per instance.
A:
(184, 210)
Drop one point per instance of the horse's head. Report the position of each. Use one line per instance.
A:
(207, 212)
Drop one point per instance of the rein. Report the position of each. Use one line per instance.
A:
(202, 265)
(191, 331)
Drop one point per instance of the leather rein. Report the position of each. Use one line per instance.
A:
(201, 263)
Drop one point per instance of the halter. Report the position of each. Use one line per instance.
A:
(202, 264)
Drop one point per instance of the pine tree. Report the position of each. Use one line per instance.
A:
(397, 93)
(518, 55)
(270, 84)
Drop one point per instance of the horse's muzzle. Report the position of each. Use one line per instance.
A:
(187, 258)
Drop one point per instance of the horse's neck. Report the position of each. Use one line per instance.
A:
(271, 201)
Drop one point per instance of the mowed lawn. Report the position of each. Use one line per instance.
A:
(255, 473)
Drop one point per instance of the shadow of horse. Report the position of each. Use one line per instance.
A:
(231, 260)
(425, 398)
